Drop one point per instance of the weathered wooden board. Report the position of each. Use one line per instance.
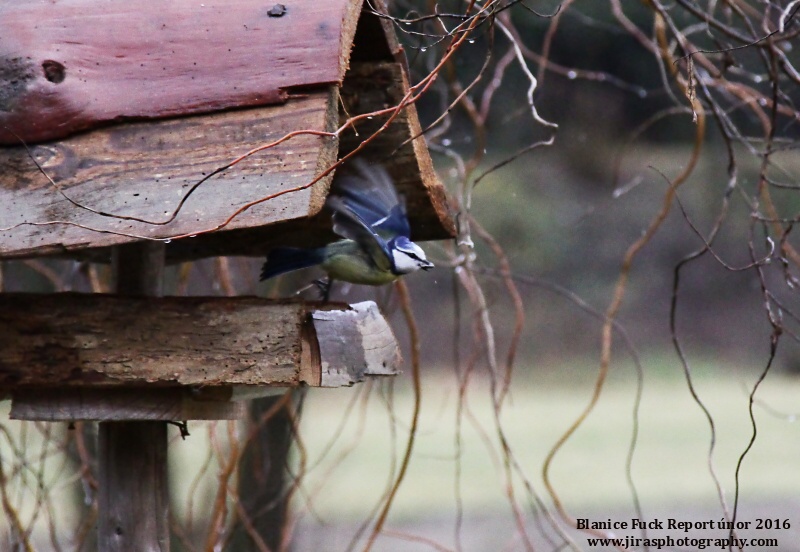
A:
(63, 340)
(144, 170)
(69, 65)
(133, 487)
(368, 87)
(373, 86)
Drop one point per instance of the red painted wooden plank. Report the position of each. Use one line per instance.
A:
(68, 65)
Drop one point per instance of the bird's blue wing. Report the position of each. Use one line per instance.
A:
(348, 224)
(370, 193)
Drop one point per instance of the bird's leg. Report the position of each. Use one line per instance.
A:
(324, 288)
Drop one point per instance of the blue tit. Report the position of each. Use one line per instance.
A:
(368, 214)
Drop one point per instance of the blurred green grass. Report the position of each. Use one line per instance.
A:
(670, 465)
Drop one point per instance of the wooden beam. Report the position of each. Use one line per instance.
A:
(143, 170)
(353, 343)
(368, 86)
(133, 493)
(133, 497)
(72, 340)
(139, 269)
(264, 471)
(73, 404)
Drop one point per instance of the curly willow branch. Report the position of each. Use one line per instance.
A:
(627, 263)
(413, 330)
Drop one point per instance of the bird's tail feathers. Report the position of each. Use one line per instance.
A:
(287, 259)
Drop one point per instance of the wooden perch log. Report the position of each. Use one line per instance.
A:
(216, 349)
(103, 340)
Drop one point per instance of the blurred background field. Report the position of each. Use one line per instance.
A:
(669, 465)
(352, 455)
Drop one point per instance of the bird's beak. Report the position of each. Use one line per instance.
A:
(427, 266)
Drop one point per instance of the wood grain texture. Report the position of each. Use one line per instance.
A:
(74, 339)
(77, 340)
(373, 86)
(133, 491)
(143, 170)
(368, 86)
(71, 65)
(133, 497)
(353, 344)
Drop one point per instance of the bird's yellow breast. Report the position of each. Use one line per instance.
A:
(356, 269)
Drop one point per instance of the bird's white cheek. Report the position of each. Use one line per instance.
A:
(403, 263)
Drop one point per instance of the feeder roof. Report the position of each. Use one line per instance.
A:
(127, 108)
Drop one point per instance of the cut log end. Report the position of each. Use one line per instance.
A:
(353, 344)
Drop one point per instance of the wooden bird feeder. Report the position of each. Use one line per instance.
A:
(116, 120)
(127, 111)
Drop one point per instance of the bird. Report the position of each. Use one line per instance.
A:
(369, 216)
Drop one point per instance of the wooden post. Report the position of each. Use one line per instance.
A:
(133, 499)
(262, 477)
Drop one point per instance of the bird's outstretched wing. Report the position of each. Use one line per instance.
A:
(348, 224)
(368, 191)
